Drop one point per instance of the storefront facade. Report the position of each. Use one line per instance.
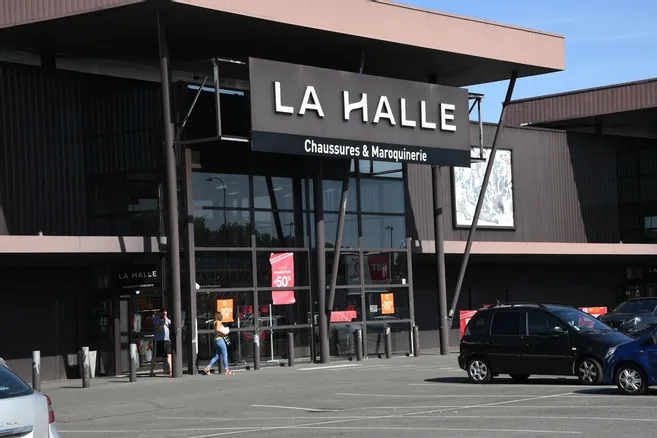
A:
(276, 168)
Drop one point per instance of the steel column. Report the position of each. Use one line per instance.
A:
(439, 236)
(187, 210)
(320, 250)
(338, 240)
(173, 241)
(482, 193)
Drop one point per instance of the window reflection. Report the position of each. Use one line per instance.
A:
(383, 231)
(382, 196)
(269, 234)
(387, 304)
(380, 169)
(220, 190)
(278, 188)
(219, 269)
(349, 230)
(222, 228)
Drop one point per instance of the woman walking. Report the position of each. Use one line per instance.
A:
(220, 333)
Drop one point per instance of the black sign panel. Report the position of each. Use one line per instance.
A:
(305, 110)
(136, 277)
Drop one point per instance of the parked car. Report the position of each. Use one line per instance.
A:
(524, 339)
(635, 317)
(23, 411)
(633, 366)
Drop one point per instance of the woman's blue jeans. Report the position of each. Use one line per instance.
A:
(221, 349)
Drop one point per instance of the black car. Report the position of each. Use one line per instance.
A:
(635, 317)
(523, 339)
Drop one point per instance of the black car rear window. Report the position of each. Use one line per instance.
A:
(11, 385)
(477, 324)
(638, 306)
(506, 323)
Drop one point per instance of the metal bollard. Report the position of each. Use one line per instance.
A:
(222, 368)
(358, 344)
(290, 349)
(36, 370)
(388, 337)
(416, 341)
(86, 367)
(256, 350)
(134, 362)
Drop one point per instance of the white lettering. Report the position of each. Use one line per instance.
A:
(380, 114)
(349, 107)
(404, 120)
(423, 115)
(280, 108)
(445, 117)
(306, 104)
(307, 146)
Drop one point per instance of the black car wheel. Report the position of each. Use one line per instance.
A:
(589, 371)
(520, 377)
(479, 371)
(631, 380)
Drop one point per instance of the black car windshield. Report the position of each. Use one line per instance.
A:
(579, 320)
(637, 306)
(11, 385)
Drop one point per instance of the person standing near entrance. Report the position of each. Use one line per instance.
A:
(161, 324)
(220, 334)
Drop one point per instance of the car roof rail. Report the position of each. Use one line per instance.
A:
(541, 305)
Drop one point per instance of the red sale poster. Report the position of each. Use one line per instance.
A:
(282, 275)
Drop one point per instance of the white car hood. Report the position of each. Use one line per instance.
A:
(23, 414)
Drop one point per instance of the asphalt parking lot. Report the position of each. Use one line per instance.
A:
(426, 396)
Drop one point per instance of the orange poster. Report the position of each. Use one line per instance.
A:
(226, 307)
(387, 304)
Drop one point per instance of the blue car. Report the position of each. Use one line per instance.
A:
(632, 366)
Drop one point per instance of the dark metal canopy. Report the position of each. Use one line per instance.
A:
(127, 30)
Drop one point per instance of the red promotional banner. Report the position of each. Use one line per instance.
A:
(282, 275)
(379, 265)
(464, 318)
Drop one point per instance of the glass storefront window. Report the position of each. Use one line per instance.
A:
(219, 269)
(347, 306)
(281, 190)
(383, 231)
(222, 228)
(386, 268)
(400, 339)
(240, 305)
(300, 265)
(220, 190)
(381, 169)
(275, 315)
(382, 196)
(333, 194)
(382, 305)
(268, 235)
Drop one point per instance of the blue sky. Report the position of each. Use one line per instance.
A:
(606, 41)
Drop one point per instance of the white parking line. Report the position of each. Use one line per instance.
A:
(349, 394)
(542, 417)
(294, 408)
(441, 429)
(328, 367)
(512, 384)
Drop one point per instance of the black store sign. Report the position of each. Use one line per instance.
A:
(138, 277)
(305, 110)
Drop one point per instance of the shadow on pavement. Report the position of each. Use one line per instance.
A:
(610, 390)
(506, 381)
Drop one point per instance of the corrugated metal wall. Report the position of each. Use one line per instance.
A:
(565, 189)
(62, 130)
(584, 103)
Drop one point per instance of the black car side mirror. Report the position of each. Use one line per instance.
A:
(558, 331)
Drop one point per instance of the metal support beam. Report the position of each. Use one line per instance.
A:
(482, 193)
(274, 205)
(439, 234)
(320, 253)
(338, 241)
(173, 240)
(187, 213)
(217, 95)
